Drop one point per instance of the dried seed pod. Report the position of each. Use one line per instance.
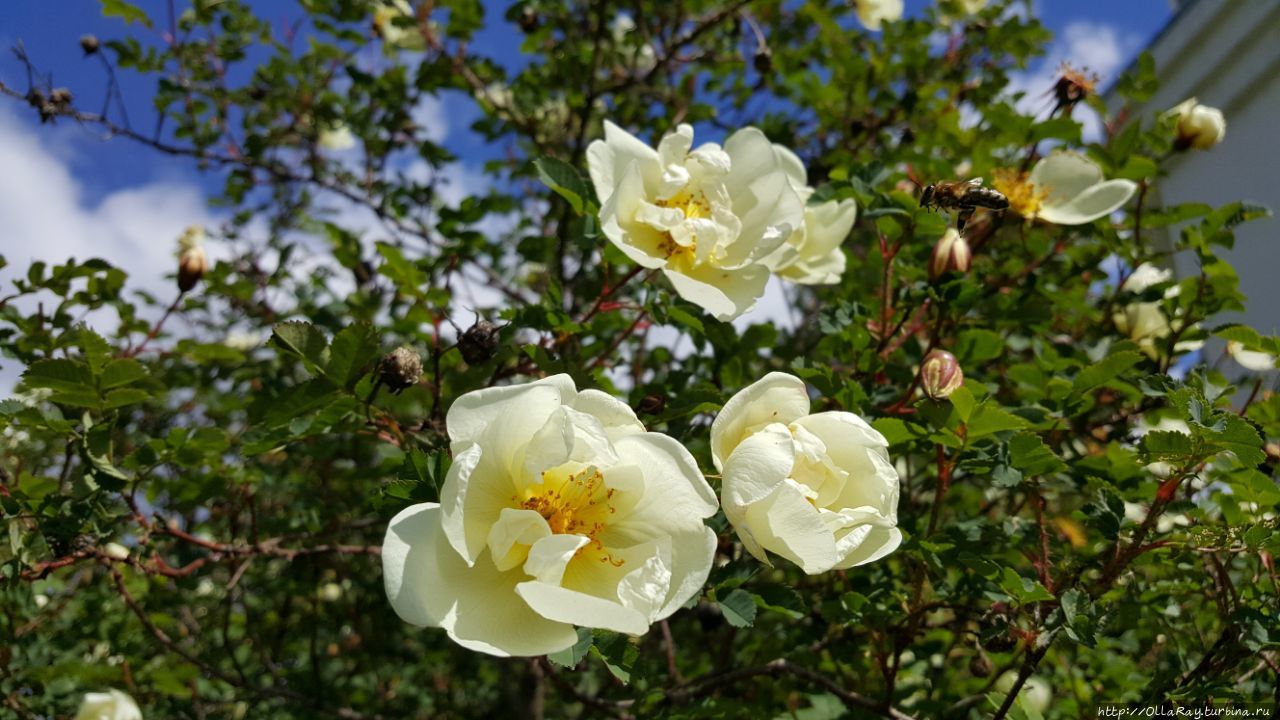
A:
(479, 343)
(400, 369)
(89, 44)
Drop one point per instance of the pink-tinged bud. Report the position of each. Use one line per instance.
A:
(940, 374)
(951, 254)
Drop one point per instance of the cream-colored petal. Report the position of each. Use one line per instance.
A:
(777, 397)
(510, 414)
(110, 705)
(549, 556)
(770, 210)
(476, 489)
(1095, 202)
(826, 227)
(570, 606)
(608, 159)
(723, 293)
(793, 166)
(692, 555)
(617, 417)
(877, 543)
(620, 222)
(1064, 175)
(674, 487)
(758, 465)
(787, 525)
(429, 584)
(512, 535)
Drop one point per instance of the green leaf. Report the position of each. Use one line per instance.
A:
(1235, 435)
(125, 11)
(572, 655)
(897, 431)
(978, 345)
(70, 381)
(1167, 446)
(989, 420)
(96, 349)
(119, 372)
(964, 403)
(1101, 372)
(739, 608)
(1029, 454)
(304, 340)
(564, 179)
(124, 396)
(352, 352)
(617, 652)
(780, 599)
(1022, 589)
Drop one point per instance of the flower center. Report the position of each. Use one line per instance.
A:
(572, 503)
(1024, 197)
(695, 206)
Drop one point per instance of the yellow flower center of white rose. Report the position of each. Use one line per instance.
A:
(1024, 197)
(694, 205)
(573, 504)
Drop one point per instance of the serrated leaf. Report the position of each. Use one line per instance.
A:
(964, 403)
(564, 179)
(1236, 435)
(739, 608)
(572, 655)
(1167, 446)
(1023, 589)
(617, 652)
(95, 348)
(304, 340)
(989, 420)
(60, 375)
(128, 12)
(897, 431)
(1029, 454)
(121, 372)
(1107, 369)
(352, 352)
(124, 396)
(780, 599)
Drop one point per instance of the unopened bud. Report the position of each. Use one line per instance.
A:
(1273, 452)
(115, 551)
(400, 369)
(1199, 126)
(192, 262)
(89, 44)
(60, 97)
(951, 254)
(479, 343)
(529, 20)
(763, 61)
(940, 374)
(652, 404)
(981, 666)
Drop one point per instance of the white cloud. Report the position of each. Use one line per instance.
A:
(45, 215)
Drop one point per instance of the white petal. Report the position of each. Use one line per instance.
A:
(510, 414)
(793, 167)
(786, 524)
(617, 418)
(880, 541)
(607, 160)
(513, 533)
(1098, 201)
(758, 465)
(673, 484)
(429, 584)
(620, 221)
(578, 608)
(723, 293)
(1064, 175)
(692, 555)
(549, 557)
(777, 397)
(476, 489)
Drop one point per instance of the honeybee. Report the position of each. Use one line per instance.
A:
(964, 196)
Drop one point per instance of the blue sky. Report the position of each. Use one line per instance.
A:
(69, 191)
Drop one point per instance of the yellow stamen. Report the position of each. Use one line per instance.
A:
(573, 504)
(1024, 197)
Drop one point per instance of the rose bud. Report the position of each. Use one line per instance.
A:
(1199, 126)
(479, 343)
(400, 369)
(192, 262)
(952, 253)
(940, 374)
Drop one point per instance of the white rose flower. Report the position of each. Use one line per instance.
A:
(110, 705)
(1199, 126)
(115, 551)
(559, 510)
(401, 37)
(639, 54)
(1255, 360)
(873, 13)
(1064, 188)
(337, 138)
(1145, 322)
(812, 254)
(816, 489)
(708, 217)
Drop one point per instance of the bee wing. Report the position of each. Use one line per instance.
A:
(974, 182)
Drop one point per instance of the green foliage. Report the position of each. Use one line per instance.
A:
(1076, 504)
